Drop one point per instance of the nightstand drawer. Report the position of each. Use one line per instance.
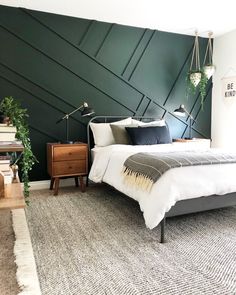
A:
(69, 167)
(67, 160)
(69, 153)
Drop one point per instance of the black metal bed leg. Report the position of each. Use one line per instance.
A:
(163, 222)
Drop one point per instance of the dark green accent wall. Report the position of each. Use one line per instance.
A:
(52, 63)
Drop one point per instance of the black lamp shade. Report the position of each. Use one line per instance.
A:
(87, 111)
(180, 111)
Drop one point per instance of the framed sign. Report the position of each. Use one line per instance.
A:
(229, 87)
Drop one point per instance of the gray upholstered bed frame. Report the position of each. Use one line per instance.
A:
(181, 207)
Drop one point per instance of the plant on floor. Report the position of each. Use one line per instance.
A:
(18, 118)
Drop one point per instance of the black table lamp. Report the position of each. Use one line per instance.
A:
(182, 112)
(85, 111)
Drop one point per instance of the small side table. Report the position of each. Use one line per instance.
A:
(67, 160)
(196, 143)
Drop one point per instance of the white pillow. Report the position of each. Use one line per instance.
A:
(136, 122)
(102, 132)
(158, 123)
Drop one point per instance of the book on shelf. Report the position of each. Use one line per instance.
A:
(5, 143)
(7, 128)
(5, 157)
(4, 165)
(7, 132)
(7, 136)
(8, 175)
(5, 161)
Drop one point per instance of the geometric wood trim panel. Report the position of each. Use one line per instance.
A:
(53, 63)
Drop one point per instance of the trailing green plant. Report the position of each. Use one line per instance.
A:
(191, 88)
(196, 76)
(202, 86)
(18, 117)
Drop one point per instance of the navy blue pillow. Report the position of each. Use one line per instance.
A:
(149, 135)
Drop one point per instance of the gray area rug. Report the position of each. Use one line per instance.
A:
(97, 243)
(8, 283)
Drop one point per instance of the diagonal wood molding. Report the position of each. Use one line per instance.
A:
(55, 61)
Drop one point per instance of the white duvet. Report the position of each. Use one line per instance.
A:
(174, 185)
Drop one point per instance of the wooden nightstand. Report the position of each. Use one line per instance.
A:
(67, 160)
(198, 143)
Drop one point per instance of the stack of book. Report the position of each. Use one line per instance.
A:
(7, 132)
(5, 169)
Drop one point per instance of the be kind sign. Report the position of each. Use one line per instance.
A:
(229, 87)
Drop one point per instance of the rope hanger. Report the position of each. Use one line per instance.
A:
(209, 50)
(195, 54)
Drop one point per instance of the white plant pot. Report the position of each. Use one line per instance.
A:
(209, 70)
(195, 78)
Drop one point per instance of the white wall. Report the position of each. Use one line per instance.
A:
(182, 16)
(224, 109)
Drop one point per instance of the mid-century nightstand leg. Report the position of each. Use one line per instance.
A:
(57, 180)
(82, 186)
(76, 181)
(52, 183)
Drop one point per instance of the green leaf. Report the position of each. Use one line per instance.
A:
(18, 117)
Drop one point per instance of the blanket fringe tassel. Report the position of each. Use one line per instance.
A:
(26, 273)
(137, 179)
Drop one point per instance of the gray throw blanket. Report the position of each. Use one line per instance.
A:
(144, 169)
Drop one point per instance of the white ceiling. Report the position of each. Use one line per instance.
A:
(178, 16)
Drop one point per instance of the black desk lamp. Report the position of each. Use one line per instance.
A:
(85, 111)
(182, 112)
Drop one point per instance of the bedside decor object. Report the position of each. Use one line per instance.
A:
(195, 143)
(208, 66)
(182, 112)
(67, 160)
(196, 76)
(4, 119)
(18, 117)
(85, 111)
(14, 169)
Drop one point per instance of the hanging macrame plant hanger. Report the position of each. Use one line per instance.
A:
(208, 67)
(195, 72)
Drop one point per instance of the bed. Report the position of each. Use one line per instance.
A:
(179, 191)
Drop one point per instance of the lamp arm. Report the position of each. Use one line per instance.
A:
(191, 117)
(79, 108)
(66, 116)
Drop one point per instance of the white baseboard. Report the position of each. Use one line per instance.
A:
(45, 184)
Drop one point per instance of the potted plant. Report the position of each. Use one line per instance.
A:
(209, 70)
(18, 117)
(194, 77)
(197, 80)
(199, 76)
(208, 66)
